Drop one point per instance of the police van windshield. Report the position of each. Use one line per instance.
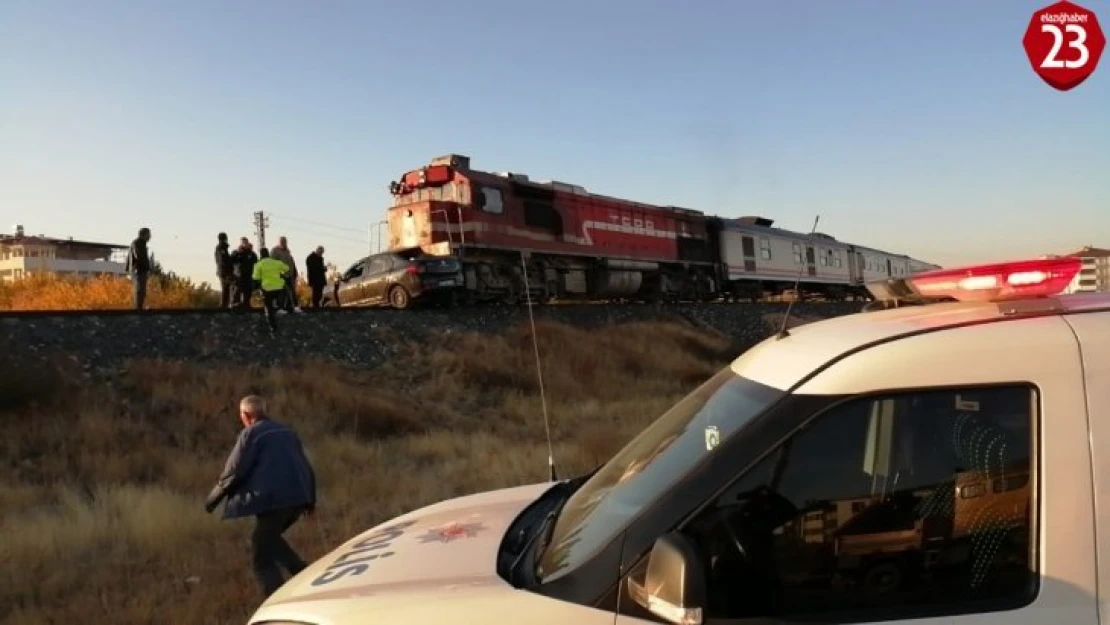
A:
(649, 465)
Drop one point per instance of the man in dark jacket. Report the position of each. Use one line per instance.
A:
(316, 274)
(138, 267)
(224, 269)
(266, 476)
(242, 264)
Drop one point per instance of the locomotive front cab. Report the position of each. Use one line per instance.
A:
(429, 207)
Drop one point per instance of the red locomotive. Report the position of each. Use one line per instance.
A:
(574, 244)
(577, 244)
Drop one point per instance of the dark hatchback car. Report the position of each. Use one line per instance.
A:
(399, 278)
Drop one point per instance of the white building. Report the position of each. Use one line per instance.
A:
(1095, 273)
(22, 256)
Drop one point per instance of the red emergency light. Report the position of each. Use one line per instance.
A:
(1043, 277)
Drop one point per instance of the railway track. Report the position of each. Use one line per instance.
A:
(354, 310)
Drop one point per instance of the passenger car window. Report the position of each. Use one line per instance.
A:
(888, 507)
(354, 271)
(378, 265)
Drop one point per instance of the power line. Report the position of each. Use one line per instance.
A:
(319, 223)
(317, 233)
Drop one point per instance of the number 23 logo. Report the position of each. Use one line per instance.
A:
(1058, 37)
(1064, 43)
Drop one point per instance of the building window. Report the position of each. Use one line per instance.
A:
(765, 249)
(953, 463)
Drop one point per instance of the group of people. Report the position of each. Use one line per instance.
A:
(273, 271)
(240, 272)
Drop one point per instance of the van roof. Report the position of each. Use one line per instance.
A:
(782, 363)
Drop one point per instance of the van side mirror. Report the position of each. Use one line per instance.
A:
(674, 586)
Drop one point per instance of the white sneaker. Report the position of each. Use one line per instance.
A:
(298, 310)
(281, 311)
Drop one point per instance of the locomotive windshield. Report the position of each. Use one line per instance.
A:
(649, 465)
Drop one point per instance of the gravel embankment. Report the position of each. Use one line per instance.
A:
(362, 338)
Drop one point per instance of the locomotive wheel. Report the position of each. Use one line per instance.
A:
(399, 297)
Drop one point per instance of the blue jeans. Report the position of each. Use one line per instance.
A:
(138, 290)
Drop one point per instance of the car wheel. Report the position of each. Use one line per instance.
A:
(398, 297)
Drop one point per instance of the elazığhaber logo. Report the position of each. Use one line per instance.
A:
(1064, 43)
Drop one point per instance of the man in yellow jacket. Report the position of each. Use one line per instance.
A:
(269, 274)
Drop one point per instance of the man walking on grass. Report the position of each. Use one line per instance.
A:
(266, 476)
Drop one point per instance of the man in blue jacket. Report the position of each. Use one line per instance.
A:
(266, 476)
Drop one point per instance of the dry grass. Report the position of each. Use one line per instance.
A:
(101, 506)
(106, 292)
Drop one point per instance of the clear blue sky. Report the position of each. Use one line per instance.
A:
(916, 127)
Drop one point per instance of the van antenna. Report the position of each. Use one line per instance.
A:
(783, 332)
(539, 373)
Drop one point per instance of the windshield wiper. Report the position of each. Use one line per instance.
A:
(544, 534)
(543, 527)
(546, 527)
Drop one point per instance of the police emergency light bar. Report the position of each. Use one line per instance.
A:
(1043, 277)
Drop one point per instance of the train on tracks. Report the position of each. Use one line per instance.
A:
(513, 236)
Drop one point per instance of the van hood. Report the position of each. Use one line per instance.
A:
(447, 547)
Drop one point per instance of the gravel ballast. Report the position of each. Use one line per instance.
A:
(362, 338)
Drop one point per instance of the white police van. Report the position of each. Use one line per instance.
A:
(943, 461)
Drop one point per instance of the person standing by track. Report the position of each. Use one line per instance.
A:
(243, 260)
(317, 274)
(270, 274)
(139, 266)
(281, 252)
(224, 270)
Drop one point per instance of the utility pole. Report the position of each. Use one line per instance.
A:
(261, 222)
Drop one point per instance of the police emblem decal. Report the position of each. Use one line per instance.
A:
(451, 531)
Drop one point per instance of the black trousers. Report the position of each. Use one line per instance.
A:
(317, 294)
(271, 301)
(138, 290)
(289, 300)
(225, 292)
(241, 293)
(269, 551)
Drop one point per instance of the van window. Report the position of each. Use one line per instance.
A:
(894, 506)
(648, 465)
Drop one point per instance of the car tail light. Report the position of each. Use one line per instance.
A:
(415, 269)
